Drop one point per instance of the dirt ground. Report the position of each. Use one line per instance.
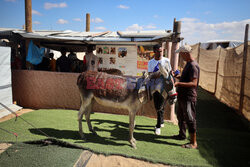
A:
(20, 112)
(4, 146)
(95, 160)
(118, 161)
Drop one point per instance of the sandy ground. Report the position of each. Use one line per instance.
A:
(95, 160)
(20, 112)
(4, 146)
(118, 161)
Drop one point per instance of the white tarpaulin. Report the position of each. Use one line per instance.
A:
(211, 45)
(5, 82)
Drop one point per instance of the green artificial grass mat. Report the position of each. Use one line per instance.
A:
(222, 138)
(22, 154)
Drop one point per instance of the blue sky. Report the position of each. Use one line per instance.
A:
(202, 20)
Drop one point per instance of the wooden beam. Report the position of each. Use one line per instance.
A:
(87, 22)
(28, 16)
(100, 34)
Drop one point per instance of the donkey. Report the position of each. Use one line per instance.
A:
(121, 92)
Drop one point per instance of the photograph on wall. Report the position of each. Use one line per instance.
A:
(144, 54)
(100, 60)
(99, 50)
(112, 51)
(105, 50)
(112, 60)
(122, 52)
(121, 57)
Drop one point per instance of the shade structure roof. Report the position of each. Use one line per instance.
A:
(55, 39)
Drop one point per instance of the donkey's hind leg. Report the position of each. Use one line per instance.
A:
(87, 116)
(85, 102)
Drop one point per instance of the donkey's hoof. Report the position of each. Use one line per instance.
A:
(82, 136)
(134, 146)
(133, 143)
(133, 140)
(94, 132)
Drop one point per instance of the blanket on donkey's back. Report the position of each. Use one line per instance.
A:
(103, 85)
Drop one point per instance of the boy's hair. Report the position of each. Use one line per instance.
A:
(156, 47)
(90, 48)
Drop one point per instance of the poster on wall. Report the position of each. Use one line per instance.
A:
(144, 54)
(123, 58)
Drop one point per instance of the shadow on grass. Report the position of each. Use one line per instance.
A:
(117, 124)
(56, 133)
(118, 131)
(222, 137)
(122, 134)
(74, 135)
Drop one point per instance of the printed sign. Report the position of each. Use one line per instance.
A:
(144, 54)
(123, 58)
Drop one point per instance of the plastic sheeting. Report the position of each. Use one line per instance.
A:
(5, 82)
(35, 54)
(211, 45)
(5, 76)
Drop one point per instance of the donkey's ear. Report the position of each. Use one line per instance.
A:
(145, 74)
(142, 94)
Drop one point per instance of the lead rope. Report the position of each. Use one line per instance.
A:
(13, 133)
(18, 116)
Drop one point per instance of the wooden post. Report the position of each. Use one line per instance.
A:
(243, 74)
(28, 16)
(87, 22)
(177, 29)
(217, 73)
(168, 50)
(174, 63)
(174, 23)
(175, 56)
(199, 50)
(163, 48)
(216, 77)
(175, 44)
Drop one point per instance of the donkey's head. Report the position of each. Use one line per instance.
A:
(164, 85)
(168, 84)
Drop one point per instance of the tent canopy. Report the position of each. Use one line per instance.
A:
(73, 39)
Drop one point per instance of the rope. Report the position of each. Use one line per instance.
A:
(13, 133)
(50, 140)
(23, 119)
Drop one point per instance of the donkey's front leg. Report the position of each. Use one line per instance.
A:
(80, 115)
(131, 128)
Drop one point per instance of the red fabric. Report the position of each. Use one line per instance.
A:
(175, 94)
(84, 60)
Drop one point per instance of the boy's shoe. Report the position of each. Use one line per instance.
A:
(162, 126)
(158, 131)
